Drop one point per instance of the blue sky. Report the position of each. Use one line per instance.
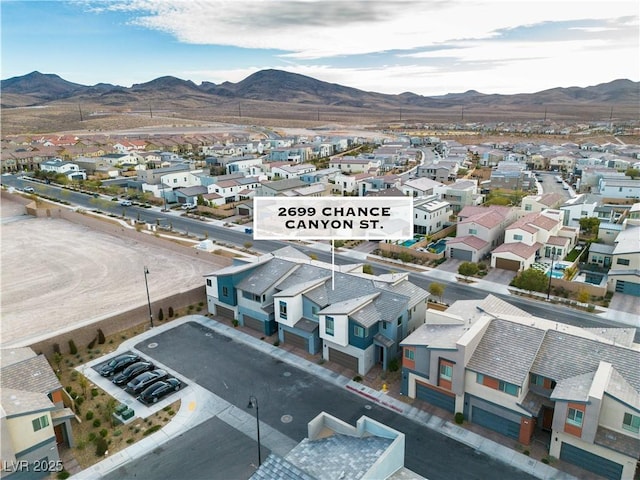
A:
(429, 47)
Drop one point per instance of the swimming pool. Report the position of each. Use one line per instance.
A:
(438, 246)
(408, 243)
(556, 273)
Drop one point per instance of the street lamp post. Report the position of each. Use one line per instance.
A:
(253, 402)
(553, 257)
(146, 284)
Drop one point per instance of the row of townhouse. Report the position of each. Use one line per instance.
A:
(34, 421)
(577, 390)
(354, 319)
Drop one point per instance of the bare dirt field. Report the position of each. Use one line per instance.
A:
(57, 275)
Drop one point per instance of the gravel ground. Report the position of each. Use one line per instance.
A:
(56, 274)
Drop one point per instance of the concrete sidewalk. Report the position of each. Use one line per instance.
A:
(199, 405)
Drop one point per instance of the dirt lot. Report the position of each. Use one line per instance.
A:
(57, 275)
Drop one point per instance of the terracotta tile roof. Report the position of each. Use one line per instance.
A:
(470, 240)
(519, 249)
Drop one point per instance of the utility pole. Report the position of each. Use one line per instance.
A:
(80, 109)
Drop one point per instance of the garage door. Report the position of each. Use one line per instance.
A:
(225, 312)
(507, 264)
(495, 422)
(244, 211)
(590, 461)
(253, 323)
(296, 340)
(460, 254)
(343, 359)
(436, 397)
(628, 288)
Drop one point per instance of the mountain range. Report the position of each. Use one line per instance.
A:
(278, 91)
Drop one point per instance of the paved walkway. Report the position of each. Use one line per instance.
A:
(199, 405)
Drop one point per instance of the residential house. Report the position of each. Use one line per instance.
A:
(354, 319)
(535, 235)
(624, 274)
(291, 171)
(189, 194)
(591, 176)
(372, 185)
(122, 160)
(430, 215)
(460, 194)
(353, 165)
(623, 188)
(480, 230)
(575, 389)
(511, 176)
(581, 206)
(538, 203)
(247, 165)
(227, 190)
(349, 184)
(608, 232)
(439, 170)
(33, 416)
(563, 162)
(420, 187)
(279, 187)
(370, 450)
(70, 170)
(175, 175)
(325, 175)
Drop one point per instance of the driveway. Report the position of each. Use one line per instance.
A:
(625, 303)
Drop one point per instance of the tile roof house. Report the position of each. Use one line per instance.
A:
(537, 203)
(624, 273)
(480, 229)
(535, 235)
(355, 319)
(334, 449)
(33, 416)
(520, 375)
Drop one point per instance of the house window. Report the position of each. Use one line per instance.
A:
(209, 282)
(399, 320)
(527, 207)
(631, 422)
(40, 423)
(480, 378)
(314, 311)
(225, 292)
(446, 372)
(409, 354)
(622, 261)
(509, 388)
(575, 417)
(384, 325)
(536, 380)
(251, 296)
(329, 326)
(517, 237)
(358, 331)
(473, 231)
(283, 309)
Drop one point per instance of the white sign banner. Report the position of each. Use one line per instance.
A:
(332, 218)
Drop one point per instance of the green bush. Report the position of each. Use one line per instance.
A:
(394, 365)
(130, 440)
(357, 378)
(96, 422)
(103, 433)
(151, 430)
(170, 312)
(73, 350)
(63, 475)
(79, 400)
(459, 418)
(89, 415)
(117, 433)
(92, 436)
(160, 315)
(101, 447)
(94, 392)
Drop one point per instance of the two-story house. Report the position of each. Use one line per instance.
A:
(576, 390)
(460, 194)
(480, 230)
(70, 170)
(351, 165)
(540, 234)
(538, 203)
(33, 419)
(420, 187)
(430, 215)
(624, 273)
(354, 319)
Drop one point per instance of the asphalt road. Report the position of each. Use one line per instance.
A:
(234, 371)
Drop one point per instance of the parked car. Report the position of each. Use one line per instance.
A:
(145, 379)
(131, 372)
(29, 189)
(117, 364)
(126, 203)
(159, 389)
(188, 206)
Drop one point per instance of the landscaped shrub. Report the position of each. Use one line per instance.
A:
(104, 432)
(459, 418)
(96, 422)
(63, 475)
(79, 400)
(94, 392)
(160, 315)
(89, 415)
(101, 338)
(170, 312)
(92, 343)
(357, 378)
(151, 430)
(101, 447)
(56, 348)
(394, 365)
(92, 436)
(68, 388)
(73, 350)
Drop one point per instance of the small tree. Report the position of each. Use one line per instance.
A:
(84, 384)
(72, 347)
(170, 312)
(368, 269)
(583, 295)
(532, 280)
(468, 269)
(437, 290)
(633, 173)
(160, 315)
(109, 409)
(590, 225)
(101, 446)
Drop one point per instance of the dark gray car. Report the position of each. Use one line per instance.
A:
(145, 379)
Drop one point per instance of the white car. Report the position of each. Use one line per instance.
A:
(188, 206)
(29, 189)
(126, 203)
